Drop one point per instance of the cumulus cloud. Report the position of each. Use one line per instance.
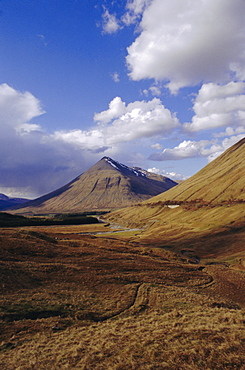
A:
(185, 42)
(136, 120)
(34, 162)
(124, 123)
(116, 109)
(219, 106)
(210, 149)
(186, 149)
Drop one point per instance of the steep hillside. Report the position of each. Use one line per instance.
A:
(106, 185)
(221, 180)
(212, 201)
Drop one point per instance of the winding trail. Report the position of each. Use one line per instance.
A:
(139, 303)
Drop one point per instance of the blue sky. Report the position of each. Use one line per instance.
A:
(152, 83)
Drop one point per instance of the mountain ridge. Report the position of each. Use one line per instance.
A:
(8, 202)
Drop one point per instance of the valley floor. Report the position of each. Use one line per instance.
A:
(75, 301)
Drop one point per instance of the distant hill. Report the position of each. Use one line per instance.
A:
(106, 185)
(7, 202)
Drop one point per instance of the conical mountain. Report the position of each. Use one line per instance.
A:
(106, 185)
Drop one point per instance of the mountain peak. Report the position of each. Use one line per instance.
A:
(106, 185)
(137, 171)
(106, 159)
(111, 161)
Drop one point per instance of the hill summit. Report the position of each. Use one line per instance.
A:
(106, 185)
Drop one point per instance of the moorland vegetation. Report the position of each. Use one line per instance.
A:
(154, 287)
(77, 301)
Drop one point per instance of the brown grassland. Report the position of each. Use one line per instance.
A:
(170, 296)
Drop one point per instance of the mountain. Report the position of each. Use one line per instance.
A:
(106, 185)
(7, 202)
(221, 180)
(210, 202)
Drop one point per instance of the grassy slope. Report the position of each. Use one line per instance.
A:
(222, 179)
(98, 303)
(210, 206)
(215, 232)
(134, 302)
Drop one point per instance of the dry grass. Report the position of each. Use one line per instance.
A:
(221, 180)
(73, 301)
(179, 227)
(174, 332)
(150, 343)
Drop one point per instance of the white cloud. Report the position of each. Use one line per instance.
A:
(217, 150)
(81, 139)
(185, 42)
(124, 123)
(186, 149)
(110, 23)
(153, 90)
(116, 109)
(137, 120)
(34, 162)
(230, 131)
(137, 6)
(219, 106)
(172, 175)
(134, 10)
(17, 107)
(210, 149)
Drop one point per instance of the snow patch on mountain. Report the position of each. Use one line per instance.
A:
(135, 170)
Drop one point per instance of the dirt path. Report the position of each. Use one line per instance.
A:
(139, 303)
